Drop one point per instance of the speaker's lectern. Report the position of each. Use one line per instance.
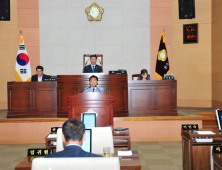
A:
(100, 103)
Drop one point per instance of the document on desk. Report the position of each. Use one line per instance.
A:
(52, 136)
(124, 153)
(205, 132)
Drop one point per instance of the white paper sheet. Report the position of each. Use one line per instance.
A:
(52, 136)
(205, 132)
(124, 153)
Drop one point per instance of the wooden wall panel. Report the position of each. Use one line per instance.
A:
(8, 52)
(25, 17)
(160, 17)
(216, 51)
(192, 62)
(35, 130)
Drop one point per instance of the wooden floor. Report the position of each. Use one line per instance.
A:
(142, 129)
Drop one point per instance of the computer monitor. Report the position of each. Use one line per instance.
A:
(89, 119)
(86, 146)
(219, 118)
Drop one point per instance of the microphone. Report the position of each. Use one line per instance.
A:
(98, 88)
(86, 61)
(87, 87)
(100, 62)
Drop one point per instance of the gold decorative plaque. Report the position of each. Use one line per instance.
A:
(94, 12)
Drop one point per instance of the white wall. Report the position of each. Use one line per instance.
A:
(122, 36)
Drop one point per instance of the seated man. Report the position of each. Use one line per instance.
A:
(93, 67)
(93, 81)
(73, 136)
(39, 76)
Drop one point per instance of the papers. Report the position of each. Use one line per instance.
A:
(52, 136)
(124, 153)
(205, 132)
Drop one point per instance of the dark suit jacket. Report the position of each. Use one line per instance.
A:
(88, 69)
(141, 79)
(35, 77)
(72, 151)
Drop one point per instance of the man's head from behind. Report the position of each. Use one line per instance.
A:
(93, 81)
(73, 132)
(93, 59)
(39, 70)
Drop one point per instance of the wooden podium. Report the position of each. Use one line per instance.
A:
(98, 102)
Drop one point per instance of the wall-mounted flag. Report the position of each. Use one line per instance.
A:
(22, 66)
(162, 64)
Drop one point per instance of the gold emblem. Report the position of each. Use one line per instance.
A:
(162, 55)
(218, 149)
(32, 152)
(39, 152)
(94, 12)
(46, 152)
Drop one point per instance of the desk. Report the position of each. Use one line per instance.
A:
(121, 141)
(125, 163)
(196, 156)
(217, 161)
(115, 85)
(152, 97)
(32, 99)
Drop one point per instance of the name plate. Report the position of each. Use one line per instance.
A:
(190, 127)
(54, 129)
(39, 152)
(217, 149)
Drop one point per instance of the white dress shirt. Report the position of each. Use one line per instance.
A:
(40, 78)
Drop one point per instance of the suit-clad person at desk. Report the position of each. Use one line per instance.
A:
(39, 76)
(143, 75)
(93, 81)
(73, 135)
(93, 67)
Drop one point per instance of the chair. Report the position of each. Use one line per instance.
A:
(59, 142)
(86, 59)
(101, 137)
(135, 76)
(111, 163)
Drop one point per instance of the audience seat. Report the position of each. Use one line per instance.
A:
(101, 137)
(111, 163)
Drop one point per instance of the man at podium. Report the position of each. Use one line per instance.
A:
(39, 76)
(93, 67)
(93, 81)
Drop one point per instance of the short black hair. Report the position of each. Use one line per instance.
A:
(94, 77)
(39, 67)
(73, 129)
(142, 72)
(93, 56)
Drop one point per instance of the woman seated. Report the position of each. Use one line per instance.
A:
(143, 75)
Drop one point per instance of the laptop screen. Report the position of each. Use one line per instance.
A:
(219, 119)
(86, 146)
(89, 119)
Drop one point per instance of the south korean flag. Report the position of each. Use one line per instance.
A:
(22, 66)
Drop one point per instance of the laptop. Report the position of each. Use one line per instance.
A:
(87, 144)
(89, 119)
(219, 118)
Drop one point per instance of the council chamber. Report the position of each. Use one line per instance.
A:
(110, 84)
